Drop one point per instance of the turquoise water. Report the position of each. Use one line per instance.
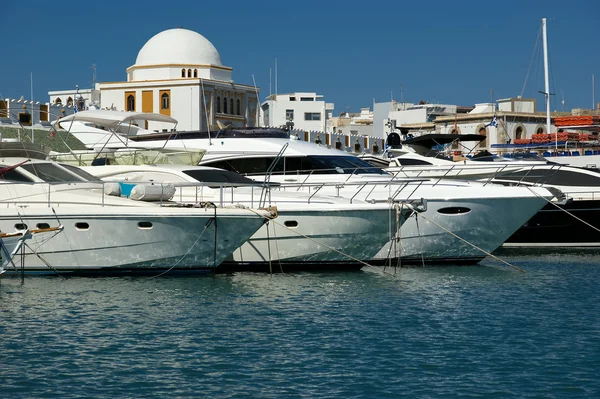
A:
(423, 332)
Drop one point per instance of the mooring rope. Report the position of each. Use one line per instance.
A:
(208, 223)
(564, 210)
(473, 245)
(43, 260)
(312, 239)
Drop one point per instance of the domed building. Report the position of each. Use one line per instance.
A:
(179, 73)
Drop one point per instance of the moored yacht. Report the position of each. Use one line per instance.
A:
(311, 231)
(464, 220)
(102, 234)
(571, 222)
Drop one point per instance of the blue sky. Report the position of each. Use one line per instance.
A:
(351, 52)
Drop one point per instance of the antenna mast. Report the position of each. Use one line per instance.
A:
(546, 78)
(32, 109)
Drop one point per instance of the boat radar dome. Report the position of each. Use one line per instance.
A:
(393, 140)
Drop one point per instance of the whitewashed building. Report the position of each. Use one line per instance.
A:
(31, 113)
(307, 111)
(179, 73)
(360, 124)
(80, 98)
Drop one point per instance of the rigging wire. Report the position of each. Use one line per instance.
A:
(534, 56)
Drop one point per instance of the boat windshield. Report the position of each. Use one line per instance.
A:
(315, 164)
(219, 176)
(516, 157)
(50, 172)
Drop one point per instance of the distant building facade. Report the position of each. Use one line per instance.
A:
(179, 73)
(502, 123)
(360, 124)
(31, 113)
(306, 111)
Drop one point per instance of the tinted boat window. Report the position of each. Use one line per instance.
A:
(49, 172)
(14, 175)
(299, 165)
(218, 176)
(411, 162)
(380, 163)
(81, 173)
(554, 177)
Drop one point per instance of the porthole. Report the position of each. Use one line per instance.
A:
(43, 226)
(145, 225)
(20, 226)
(454, 210)
(82, 226)
(290, 223)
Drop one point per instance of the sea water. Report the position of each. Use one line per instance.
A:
(484, 331)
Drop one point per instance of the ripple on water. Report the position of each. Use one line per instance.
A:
(433, 332)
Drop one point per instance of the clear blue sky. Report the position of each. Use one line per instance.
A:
(351, 52)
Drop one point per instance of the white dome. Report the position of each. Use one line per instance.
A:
(178, 46)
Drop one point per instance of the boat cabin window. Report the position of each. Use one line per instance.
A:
(218, 176)
(49, 172)
(378, 162)
(14, 175)
(80, 172)
(554, 177)
(314, 164)
(411, 162)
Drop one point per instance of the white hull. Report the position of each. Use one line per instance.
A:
(308, 231)
(114, 240)
(493, 213)
(321, 236)
(486, 227)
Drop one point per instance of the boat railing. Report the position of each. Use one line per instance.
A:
(56, 194)
(351, 190)
(485, 174)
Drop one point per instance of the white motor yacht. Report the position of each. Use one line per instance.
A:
(463, 222)
(572, 222)
(104, 234)
(310, 232)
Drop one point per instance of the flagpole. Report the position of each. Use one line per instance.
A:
(32, 108)
(547, 81)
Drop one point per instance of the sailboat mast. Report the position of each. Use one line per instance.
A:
(546, 78)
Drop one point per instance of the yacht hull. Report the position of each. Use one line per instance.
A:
(559, 226)
(104, 241)
(426, 238)
(317, 239)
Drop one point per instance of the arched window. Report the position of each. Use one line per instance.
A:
(164, 101)
(69, 102)
(483, 132)
(130, 103)
(183, 73)
(239, 108)
(189, 73)
(224, 105)
(218, 104)
(540, 130)
(58, 101)
(519, 133)
(195, 73)
(231, 106)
